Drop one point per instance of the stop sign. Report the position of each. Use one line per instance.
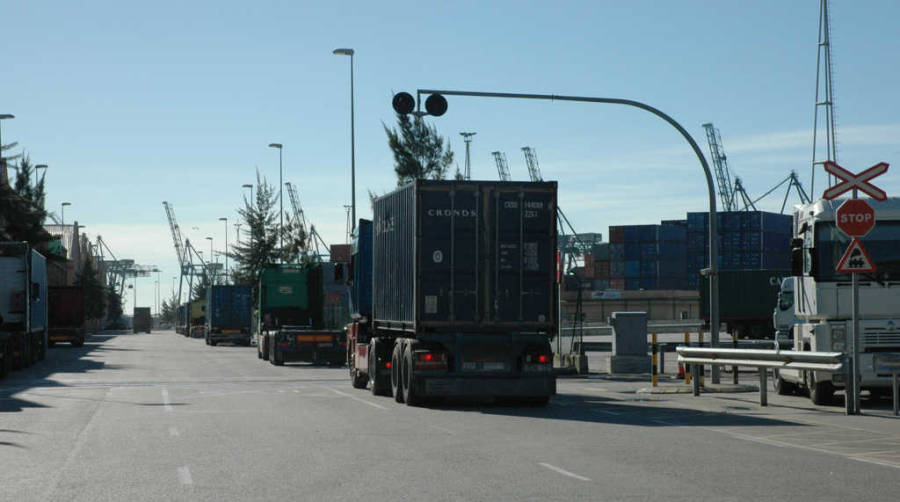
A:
(855, 218)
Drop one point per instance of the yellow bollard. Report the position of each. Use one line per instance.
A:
(653, 361)
(687, 367)
(700, 367)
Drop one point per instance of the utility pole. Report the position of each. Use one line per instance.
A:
(467, 137)
(825, 99)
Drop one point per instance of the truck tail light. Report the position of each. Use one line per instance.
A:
(538, 359)
(430, 361)
(387, 365)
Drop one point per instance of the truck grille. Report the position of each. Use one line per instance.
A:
(881, 337)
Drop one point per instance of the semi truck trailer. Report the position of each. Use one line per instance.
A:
(464, 294)
(822, 297)
(67, 315)
(290, 317)
(228, 314)
(141, 321)
(746, 298)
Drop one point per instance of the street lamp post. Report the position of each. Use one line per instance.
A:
(351, 52)
(212, 276)
(226, 248)
(237, 226)
(62, 212)
(251, 192)
(280, 148)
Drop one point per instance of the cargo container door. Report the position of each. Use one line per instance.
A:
(523, 241)
(450, 255)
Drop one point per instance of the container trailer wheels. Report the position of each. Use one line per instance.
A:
(410, 394)
(380, 385)
(782, 387)
(275, 357)
(396, 385)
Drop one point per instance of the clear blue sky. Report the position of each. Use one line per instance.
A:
(131, 104)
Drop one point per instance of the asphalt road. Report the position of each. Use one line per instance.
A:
(161, 417)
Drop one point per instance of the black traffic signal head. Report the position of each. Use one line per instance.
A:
(403, 103)
(436, 105)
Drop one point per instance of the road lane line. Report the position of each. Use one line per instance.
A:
(356, 398)
(184, 475)
(173, 431)
(165, 397)
(563, 471)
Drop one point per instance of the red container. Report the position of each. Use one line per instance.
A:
(340, 253)
(601, 269)
(588, 266)
(617, 234)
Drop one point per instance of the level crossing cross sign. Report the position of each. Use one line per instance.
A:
(856, 260)
(859, 181)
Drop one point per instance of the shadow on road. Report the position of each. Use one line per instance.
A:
(606, 410)
(63, 358)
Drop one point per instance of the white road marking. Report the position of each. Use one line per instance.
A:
(165, 397)
(563, 471)
(356, 398)
(173, 431)
(594, 389)
(184, 475)
(442, 429)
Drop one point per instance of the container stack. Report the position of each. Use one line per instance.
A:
(748, 240)
(648, 257)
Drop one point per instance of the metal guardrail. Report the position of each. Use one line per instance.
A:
(606, 329)
(672, 346)
(830, 362)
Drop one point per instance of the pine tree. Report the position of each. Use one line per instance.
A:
(25, 214)
(113, 304)
(260, 248)
(419, 151)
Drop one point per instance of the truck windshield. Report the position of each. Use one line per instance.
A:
(881, 244)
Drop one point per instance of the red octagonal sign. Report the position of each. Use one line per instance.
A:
(855, 218)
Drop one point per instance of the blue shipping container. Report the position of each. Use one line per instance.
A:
(228, 307)
(632, 269)
(362, 269)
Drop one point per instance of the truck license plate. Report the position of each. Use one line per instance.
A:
(484, 366)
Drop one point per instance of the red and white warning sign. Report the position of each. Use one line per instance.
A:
(860, 181)
(856, 260)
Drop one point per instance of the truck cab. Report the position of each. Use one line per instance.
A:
(823, 297)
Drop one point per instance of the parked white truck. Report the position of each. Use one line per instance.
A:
(23, 306)
(822, 297)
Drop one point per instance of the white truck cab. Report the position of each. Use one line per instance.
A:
(784, 317)
(822, 297)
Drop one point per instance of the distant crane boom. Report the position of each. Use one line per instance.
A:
(178, 240)
(720, 165)
(502, 166)
(534, 171)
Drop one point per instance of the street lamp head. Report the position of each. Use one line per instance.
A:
(4, 116)
(209, 238)
(41, 166)
(343, 52)
(247, 186)
(66, 203)
(276, 145)
(223, 219)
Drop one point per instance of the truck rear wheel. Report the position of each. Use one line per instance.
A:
(410, 394)
(264, 343)
(275, 357)
(820, 393)
(78, 343)
(381, 386)
(782, 387)
(396, 386)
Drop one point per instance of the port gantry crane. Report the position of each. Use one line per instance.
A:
(534, 171)
(313, 239)
(180, 250)
(730, 193)
(502, 166)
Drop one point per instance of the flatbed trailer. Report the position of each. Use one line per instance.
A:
(464, 293)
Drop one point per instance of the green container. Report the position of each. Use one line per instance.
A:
(290, 295)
